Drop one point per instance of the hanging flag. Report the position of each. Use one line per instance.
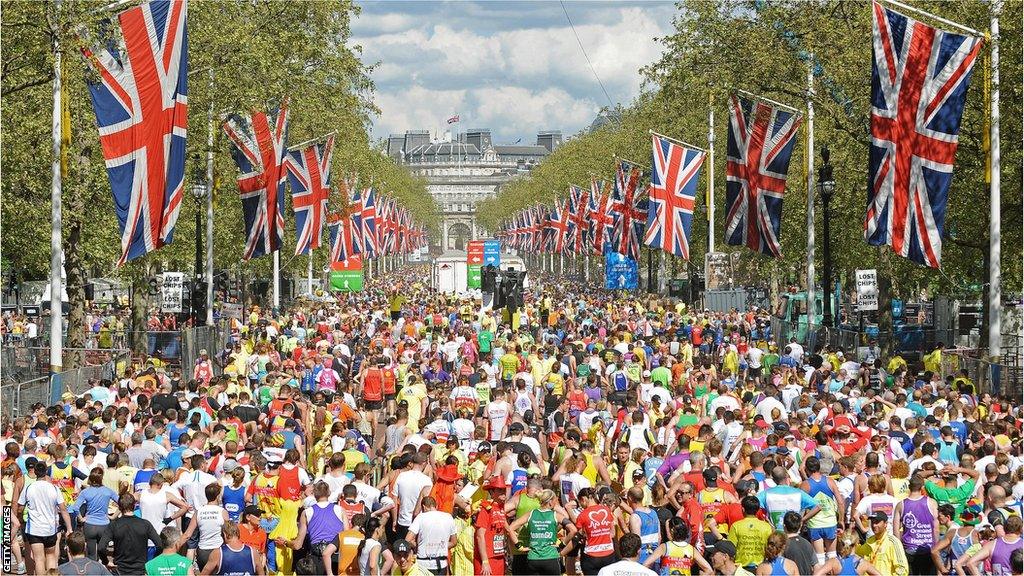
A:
(674, 172)
(630, 208)
(558, 224)
(141, 107)
(919, 81)
(760, 145)
(602, 218)
(258, 147)
(343, 235)
(368, 224)
(355, 213)
(579, 230)
(309, 173)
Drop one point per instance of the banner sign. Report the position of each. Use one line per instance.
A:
(492, 253)
(867, 290)
(473, 278)
(171, 292)
(475, 253)
(620, 272)
(347, 275)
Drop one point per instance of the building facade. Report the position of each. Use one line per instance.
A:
(463, 172)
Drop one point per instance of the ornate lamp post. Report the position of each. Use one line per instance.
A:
(827, 188)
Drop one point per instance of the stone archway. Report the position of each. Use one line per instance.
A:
(459, 235)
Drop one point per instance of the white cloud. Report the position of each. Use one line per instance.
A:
(516, 77)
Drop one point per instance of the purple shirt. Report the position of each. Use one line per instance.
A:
(672, 462)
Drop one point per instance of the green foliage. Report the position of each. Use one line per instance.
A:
(243, 55)
(724, 45)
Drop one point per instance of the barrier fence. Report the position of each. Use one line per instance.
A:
(1004, 376)
(25, 370)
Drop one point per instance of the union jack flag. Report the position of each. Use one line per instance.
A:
(602, 218)
(368, 224)
(558, 225)
(674, 173)
(343, 237)
(760, 145)
(630, 208)
(919, 80)
(537, 229)
(579, 227)
(350, 196)
(309, 173)
(258, 149)
(141, 106)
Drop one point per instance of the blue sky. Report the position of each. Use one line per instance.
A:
(514, 67)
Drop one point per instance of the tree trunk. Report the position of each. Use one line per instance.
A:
(74, 268)
(139, 306)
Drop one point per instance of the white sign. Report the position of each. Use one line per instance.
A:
(867, 290)
(172, 292)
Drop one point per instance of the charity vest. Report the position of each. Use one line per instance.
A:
(388, 381)
(678, 559)
(64, 481)
(710, 500)
(372, 385)
(288, 486)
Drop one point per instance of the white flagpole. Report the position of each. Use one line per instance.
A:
(209, 207)
(277, 279)
(995, 199)
(711, 174)
(309, 273)
(56, 310)
(811, 310)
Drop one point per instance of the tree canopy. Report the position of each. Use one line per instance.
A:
(766, 48)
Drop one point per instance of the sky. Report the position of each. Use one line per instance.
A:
(513, 67)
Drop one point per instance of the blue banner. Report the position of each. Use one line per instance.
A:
(620, 272)
(492, 253)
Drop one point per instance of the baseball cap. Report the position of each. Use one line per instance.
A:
(724, 546)
(711, 477)
(878, 516)
(516, 428)
(484, 447)
(496, 483)
(647, 373)
(188, 453)
(638, 473)
(401, 548)
(229, 466)
(760, 423)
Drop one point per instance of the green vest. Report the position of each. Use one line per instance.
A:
(543, 529)
(527, 504)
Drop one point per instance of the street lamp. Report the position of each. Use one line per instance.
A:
(827, 188)
(199, 193)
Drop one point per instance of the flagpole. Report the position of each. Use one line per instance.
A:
(277, 279)
(936, 18)
(769, 100)
(209, 207)
(995, 338)
(711, 175)
(311, 140)
(669, 138)
(309, 272)
(811, 309)
(56, 310)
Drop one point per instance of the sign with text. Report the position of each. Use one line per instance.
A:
(475, 253)
(347, 275)
(172, 291)
(492, 253)
(620, 272)
(473, 276)
(867, 290)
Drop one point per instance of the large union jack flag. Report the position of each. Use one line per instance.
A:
(141, 107)
(674, 173)
(309, 173)
(258, 147)
(760, 146)
(630, 208)
(343, 237)
(919, 80)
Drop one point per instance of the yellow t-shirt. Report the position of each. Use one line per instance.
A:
(750, 535)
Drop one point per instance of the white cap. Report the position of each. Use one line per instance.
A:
(647, 373)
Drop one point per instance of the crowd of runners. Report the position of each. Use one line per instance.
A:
(402, 431)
